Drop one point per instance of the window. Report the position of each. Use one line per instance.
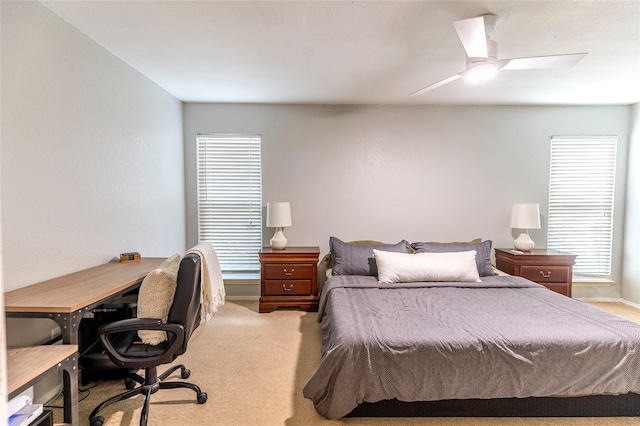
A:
(581, 189)
(230, 199)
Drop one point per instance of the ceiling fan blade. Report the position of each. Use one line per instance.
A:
(438, 84)
(541, 62)
(472, 34)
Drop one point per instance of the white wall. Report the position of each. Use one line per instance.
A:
(92, 156)
(631, 273)
(420, 173)
(92, 160)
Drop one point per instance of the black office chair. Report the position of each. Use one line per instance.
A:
(119, 346)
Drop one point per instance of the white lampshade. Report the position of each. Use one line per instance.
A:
(525, 216)
(278, 216)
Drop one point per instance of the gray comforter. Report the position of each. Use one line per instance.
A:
(504, 337)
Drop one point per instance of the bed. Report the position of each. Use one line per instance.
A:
(495, 346)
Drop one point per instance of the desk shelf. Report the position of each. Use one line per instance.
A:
(27, 364)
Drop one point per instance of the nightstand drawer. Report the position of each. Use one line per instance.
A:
(546, 274)
(561, 288)
(288, 271)
(287, 287)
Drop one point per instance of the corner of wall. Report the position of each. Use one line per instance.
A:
(631, 244)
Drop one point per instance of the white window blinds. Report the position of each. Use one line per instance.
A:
(230, 199)
(581, 191)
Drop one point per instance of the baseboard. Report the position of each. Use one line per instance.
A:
(582, 299)
(610, 300)
(601, 299)
(632, 304)
(243, 298)
(239, 291)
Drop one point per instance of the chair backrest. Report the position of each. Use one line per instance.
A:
(185, 309)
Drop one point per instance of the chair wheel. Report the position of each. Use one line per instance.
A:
(202, 398)
(185, 373)
(97, 421)
(129, 384)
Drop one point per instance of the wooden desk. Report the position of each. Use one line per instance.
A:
(65, 299)
(26, 365)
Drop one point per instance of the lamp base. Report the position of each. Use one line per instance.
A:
(524, 242)
(278, 241)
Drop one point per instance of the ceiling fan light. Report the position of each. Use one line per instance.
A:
(481, 71)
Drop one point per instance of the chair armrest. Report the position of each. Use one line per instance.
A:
(176, 335)
(130, 324)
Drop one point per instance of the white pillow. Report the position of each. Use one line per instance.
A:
(405, 267)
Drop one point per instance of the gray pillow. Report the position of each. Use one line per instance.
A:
(352, 259)
(483, 253)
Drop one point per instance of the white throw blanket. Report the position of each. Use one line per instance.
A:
(212, 284)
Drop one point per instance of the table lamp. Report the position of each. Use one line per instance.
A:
(278, 216)
(525, 216)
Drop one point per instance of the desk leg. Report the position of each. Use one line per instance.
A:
(70, 389)
(69, 326)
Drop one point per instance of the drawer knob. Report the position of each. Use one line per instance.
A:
(287, 288)
(287, 273)
(545, 275)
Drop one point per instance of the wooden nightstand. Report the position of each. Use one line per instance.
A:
(551, 268)
(289, 278)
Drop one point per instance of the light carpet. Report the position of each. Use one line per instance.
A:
(253, 367)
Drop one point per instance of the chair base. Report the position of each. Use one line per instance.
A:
(150, 384)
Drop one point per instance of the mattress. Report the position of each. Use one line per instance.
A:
(505, 337)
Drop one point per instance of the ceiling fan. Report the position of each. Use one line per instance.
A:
(481, 52)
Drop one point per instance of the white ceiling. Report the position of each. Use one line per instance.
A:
(360, 52)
